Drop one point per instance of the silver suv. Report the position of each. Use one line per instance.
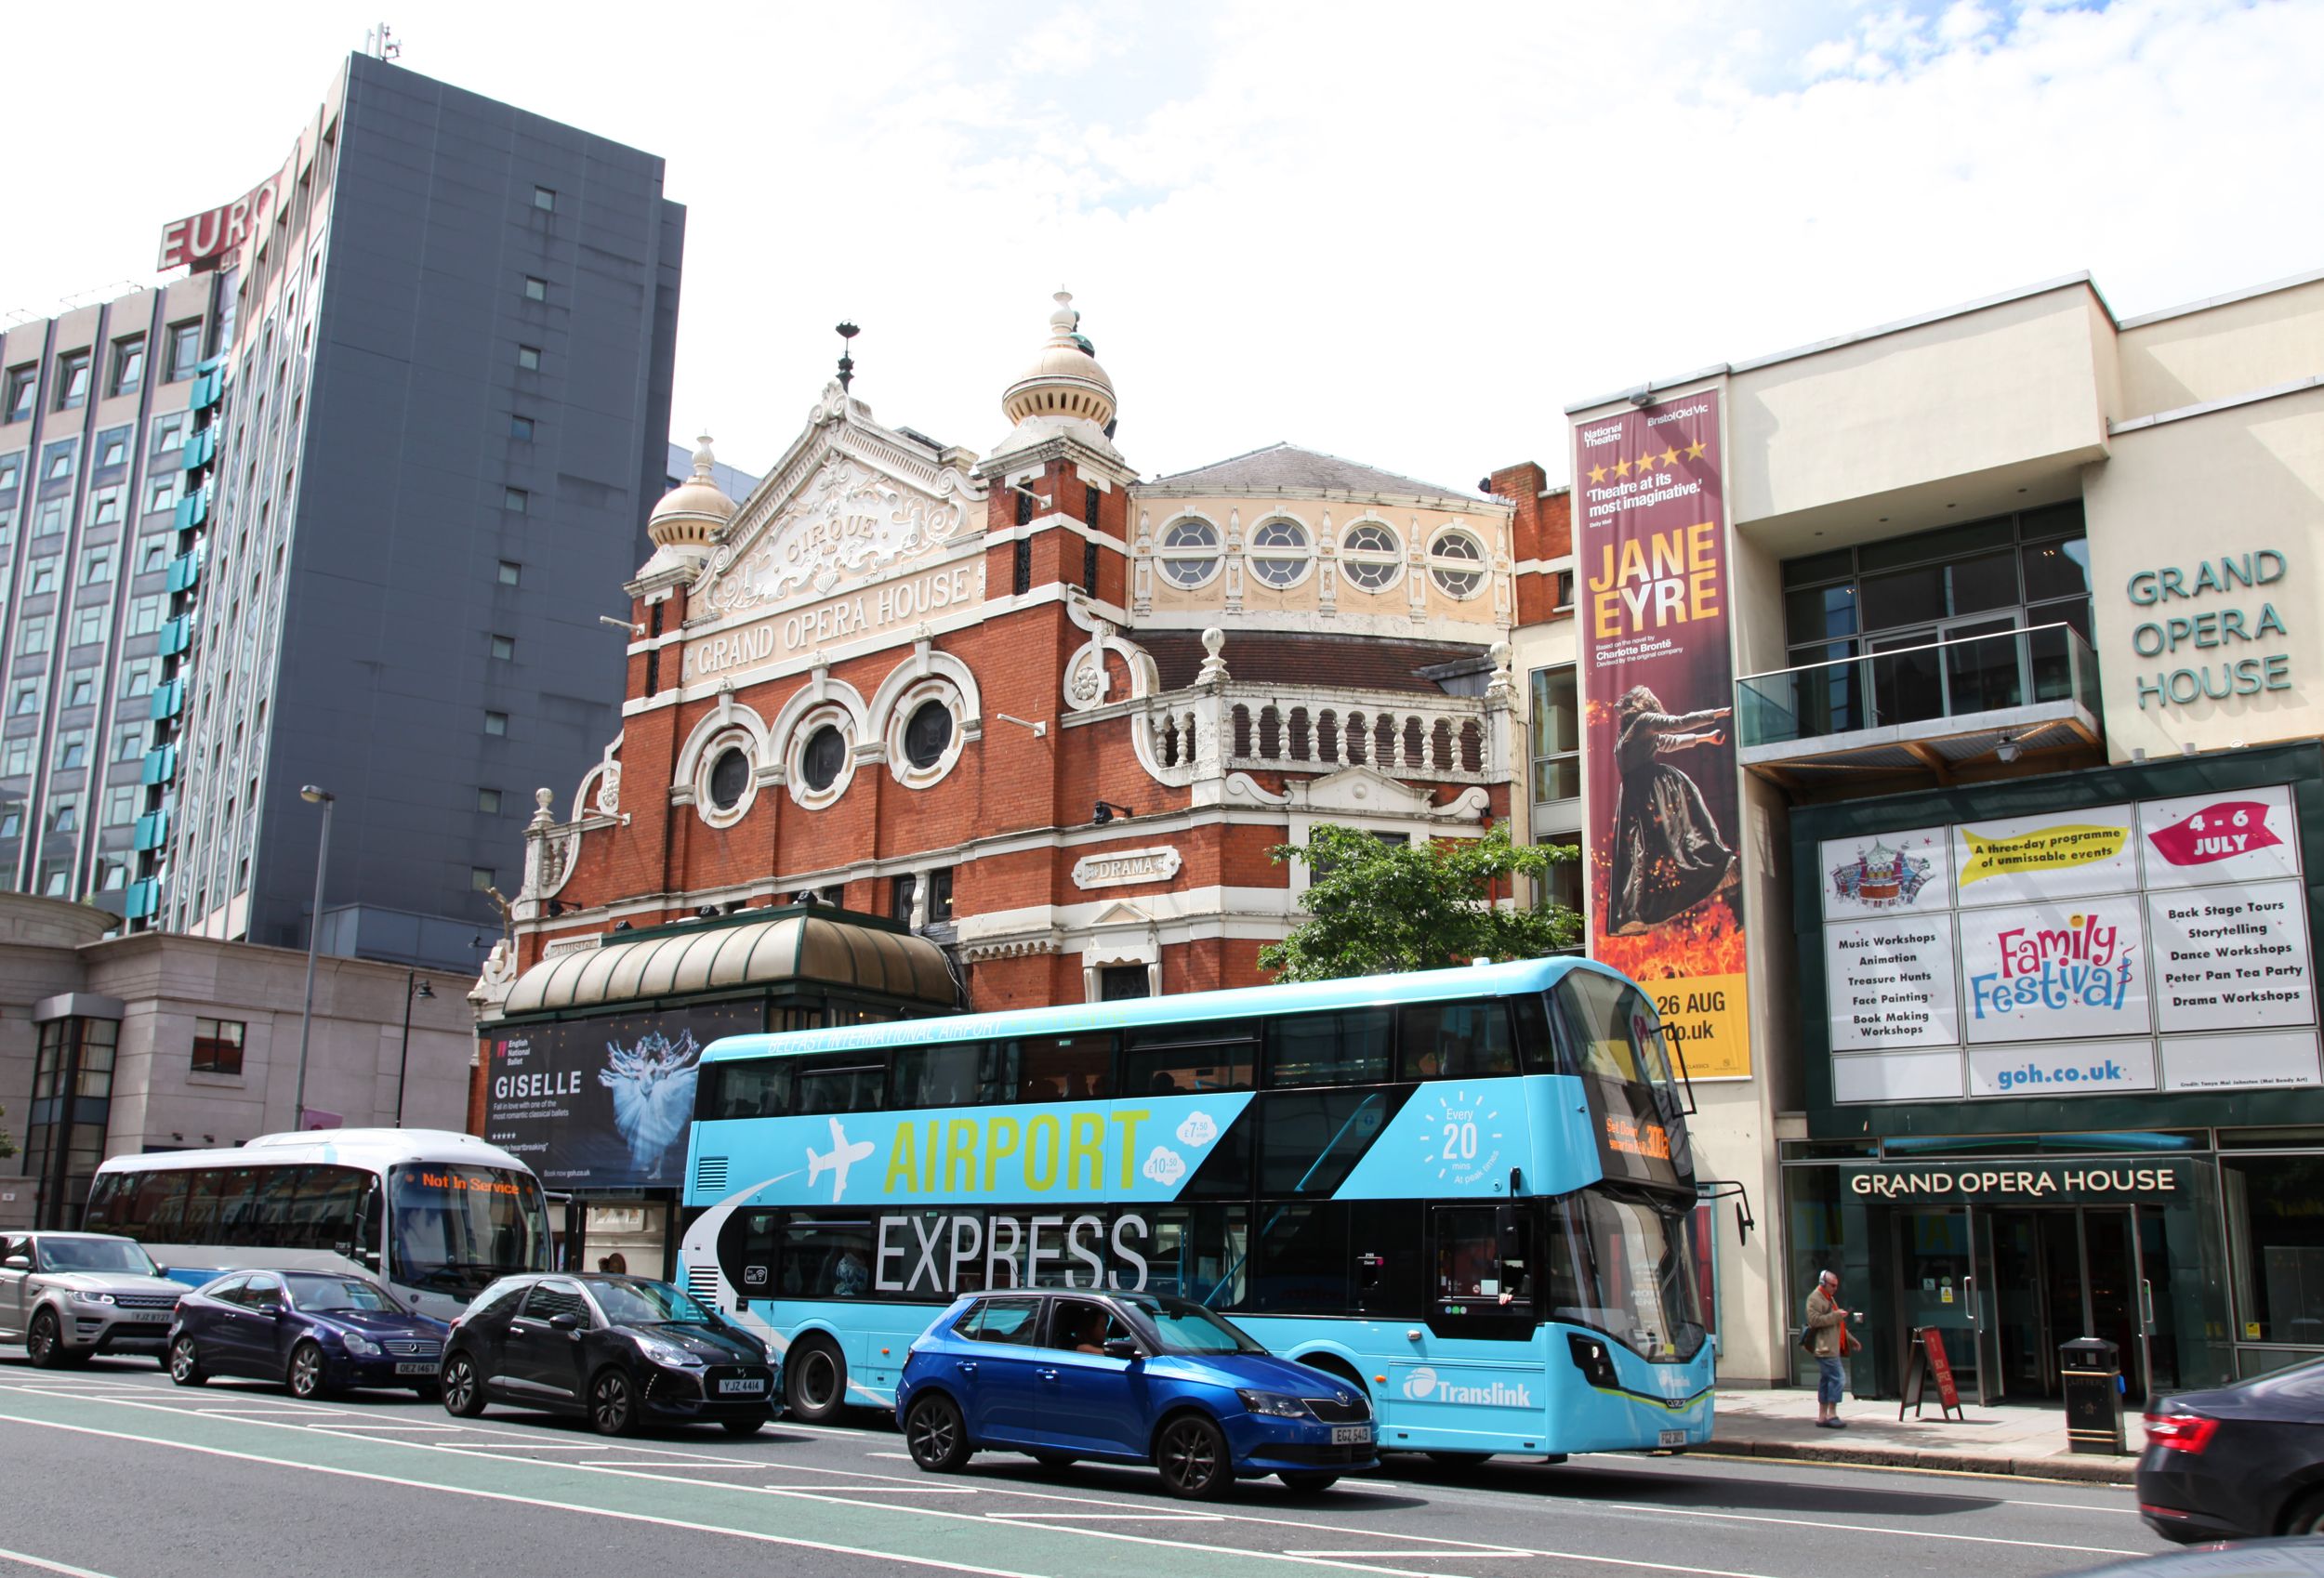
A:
(68, 1296)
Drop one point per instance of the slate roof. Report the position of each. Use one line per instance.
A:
(1258, 657)
(1288, 468)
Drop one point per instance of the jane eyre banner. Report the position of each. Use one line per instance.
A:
(1658, 687)
(604, 1102)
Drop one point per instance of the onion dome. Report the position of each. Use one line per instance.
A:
(692, 513)
(1064, 393)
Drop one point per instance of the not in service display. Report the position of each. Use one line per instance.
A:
(2117, 948)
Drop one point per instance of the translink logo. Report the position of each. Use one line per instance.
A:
(1422, 1386)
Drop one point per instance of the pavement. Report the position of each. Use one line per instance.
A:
(2027, 1440)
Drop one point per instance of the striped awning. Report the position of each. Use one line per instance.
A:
(805, 948)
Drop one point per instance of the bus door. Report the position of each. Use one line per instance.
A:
(1481, 1282)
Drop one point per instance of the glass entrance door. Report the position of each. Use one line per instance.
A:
(2044, 1277)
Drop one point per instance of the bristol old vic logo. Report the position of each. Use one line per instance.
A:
(1882, 877)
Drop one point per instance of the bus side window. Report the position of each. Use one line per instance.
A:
(201, 1206)
(98, 1216)
(158, 1216)
(1598, 1026)
(948, 1075)
(1188, 1060)
(852, 1082)
(1456, 1040)
(236, 1202)
(1066, 1067)
(1342, 1048)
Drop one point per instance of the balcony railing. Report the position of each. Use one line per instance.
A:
(1970, 676)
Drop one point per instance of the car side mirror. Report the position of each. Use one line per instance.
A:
(272, 1308)
(564, 1322)
(1121, 1347)
(17, 1262)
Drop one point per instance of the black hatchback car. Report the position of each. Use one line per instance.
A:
(619, 1351)
(2244, 1459)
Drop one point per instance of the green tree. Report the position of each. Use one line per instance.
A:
(1375, 906)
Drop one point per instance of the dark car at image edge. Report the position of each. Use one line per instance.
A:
(2240, 1461)
(618, 1351)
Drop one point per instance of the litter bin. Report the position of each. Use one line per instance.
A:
(2091, 1369)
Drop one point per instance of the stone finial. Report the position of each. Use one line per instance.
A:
(1502, 688)
(1213, 671)
(543, 800)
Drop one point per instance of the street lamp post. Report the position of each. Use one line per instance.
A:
(324, 797)
(404, 1056)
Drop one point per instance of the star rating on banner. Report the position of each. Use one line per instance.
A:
(1667, 459)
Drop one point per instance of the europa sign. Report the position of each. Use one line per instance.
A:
(205, 240)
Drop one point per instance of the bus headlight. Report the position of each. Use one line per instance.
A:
(1276, 1405)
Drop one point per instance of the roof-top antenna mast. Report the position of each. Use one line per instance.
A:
(847, 363)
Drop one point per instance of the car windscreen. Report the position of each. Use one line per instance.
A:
(96, 1254)
(1183, 1326)
(629, 1303)
(320, 1294)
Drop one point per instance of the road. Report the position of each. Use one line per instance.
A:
(114, 1472)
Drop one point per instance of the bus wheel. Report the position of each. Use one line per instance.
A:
(1458, 1459)
(814, 1381)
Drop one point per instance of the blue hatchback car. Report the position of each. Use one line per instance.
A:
(1125, 1377)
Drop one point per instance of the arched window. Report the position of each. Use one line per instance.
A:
(1372, 555)
(1190, 552)
(1278, 552)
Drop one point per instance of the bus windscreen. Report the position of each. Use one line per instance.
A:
(455, 1229)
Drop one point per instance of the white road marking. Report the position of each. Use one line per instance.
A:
(1863, 1529)
(1417, 1556)
(2077, 1505)
(542, 1501)
(46, 1566)
(1046, 1518)
(529, 1446)
(823, 1491)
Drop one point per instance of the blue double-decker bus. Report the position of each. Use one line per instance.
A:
(1466, 1191)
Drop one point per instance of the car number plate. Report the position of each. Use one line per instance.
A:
(416, 1367)
(150, 1317)
(1673, 1439)
(748, 1386)
(1351, 1435)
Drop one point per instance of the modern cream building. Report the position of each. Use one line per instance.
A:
(2025, 565)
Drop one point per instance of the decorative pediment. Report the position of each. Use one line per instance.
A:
(1360, 791)
(851, 502)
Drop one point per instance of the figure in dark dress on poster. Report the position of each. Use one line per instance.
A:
(1668, 854)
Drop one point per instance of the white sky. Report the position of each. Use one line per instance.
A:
(1406, 234)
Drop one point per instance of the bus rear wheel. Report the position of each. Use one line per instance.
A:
(814, 1381)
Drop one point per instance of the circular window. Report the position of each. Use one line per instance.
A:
(1278, 552)
(1456, 561)
(824, 759)
(925, 734)
(1190, 552)
(1372, 555)
(730, 778)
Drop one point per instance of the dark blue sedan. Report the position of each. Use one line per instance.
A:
(315, 1332)
(1125, 1377)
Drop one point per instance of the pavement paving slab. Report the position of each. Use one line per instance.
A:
(2029, 1441)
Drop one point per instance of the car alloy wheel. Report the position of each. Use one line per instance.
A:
(42, 1344)
(936, 1435)
(185, 1364)
(306, 1372)
(612, 1409)
(463, 1391)
(1191, 1455)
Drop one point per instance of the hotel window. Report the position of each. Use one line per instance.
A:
(536, 288)
(504, 648)
(145, 615)
(97, 564)
(520, 427)
(80, 688)
(510, 571)
(73, 380)
(35, 635)
(129, 741)
(515, 500)
(128, 369)
(90, 624)
(185, 351)
(40, 576)
(544, 199)
(121, 805)
(497, 724)
(25, 699)
(16, 405)
(169, 433)
(15, 758)
(104, 506)
(112, 448)
(161, 493)
(481, 877)
(64, 814)
(488, 801)
(529, 358)
(49, 520)
(11, 471)
(218, 1046)
(1937, 614)
(59, 460)
(72, 748)
(137, 678)
(152, 554)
